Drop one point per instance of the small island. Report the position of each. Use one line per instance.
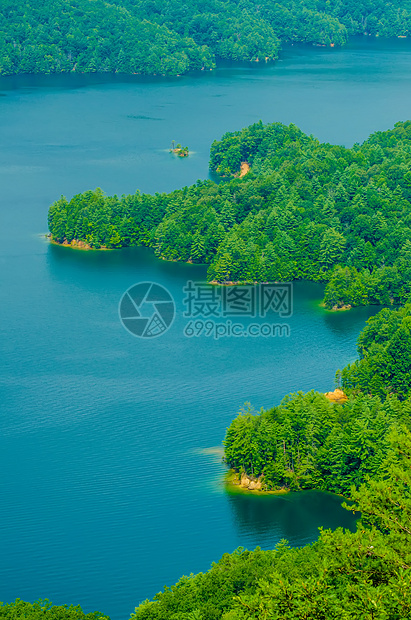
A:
(341, 219)
(180, 151)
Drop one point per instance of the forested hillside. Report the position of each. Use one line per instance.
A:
(172, 37)
(309, 442)
(364, 575)
(44, 610)
(362, 449)
(305, 210)
(350, 576)
(384, 367)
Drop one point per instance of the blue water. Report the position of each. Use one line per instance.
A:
(109, 450)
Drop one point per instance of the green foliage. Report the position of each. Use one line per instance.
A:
(44, 610)
(110, 222)
(59, 36)
(361, 449)
(168, 37)
(363, 575)
(305, 210)
(308, 442)
(384, 367)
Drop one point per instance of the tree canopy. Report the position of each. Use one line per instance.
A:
(170, 37)
(384, 367)
(362, 449)
(310, 442)
(45, 610)
(305, 210)
(363, 575)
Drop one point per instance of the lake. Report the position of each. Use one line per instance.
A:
(111, 445)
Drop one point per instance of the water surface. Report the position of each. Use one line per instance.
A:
(109, 488)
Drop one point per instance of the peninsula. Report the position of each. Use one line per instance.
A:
(288, 207)
(359, 448)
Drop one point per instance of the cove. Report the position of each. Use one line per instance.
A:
(111, 487)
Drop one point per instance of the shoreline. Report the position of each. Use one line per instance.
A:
(76, 244)
(180, 151)
(335, 308)
(235, 482)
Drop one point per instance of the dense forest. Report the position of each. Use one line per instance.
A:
(171, 37)
(305, 210)
(309, 442)
(45, 610)
(361, 575)
(361, 449)
(384, 367)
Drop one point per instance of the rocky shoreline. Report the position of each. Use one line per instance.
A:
(75, 244)
(242, 483)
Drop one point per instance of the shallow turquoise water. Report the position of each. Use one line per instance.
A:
(109, 488)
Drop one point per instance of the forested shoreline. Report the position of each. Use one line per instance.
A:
(308, 442)
(305, 210)
(361, 575)
(150, 37)
(361, 448)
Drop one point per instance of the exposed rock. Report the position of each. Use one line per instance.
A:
(337, 308)
(252, 484)
(76, 243)
(80, 244)
(244, 481)
(245, 167)
(337, 396)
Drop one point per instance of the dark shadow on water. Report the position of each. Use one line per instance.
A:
(214, 177)
(139, 261)
(347, 321)
(296, 517)
(361, 43)
(224, 69)
(72, 81)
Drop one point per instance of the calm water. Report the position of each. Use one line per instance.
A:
(111, 475)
